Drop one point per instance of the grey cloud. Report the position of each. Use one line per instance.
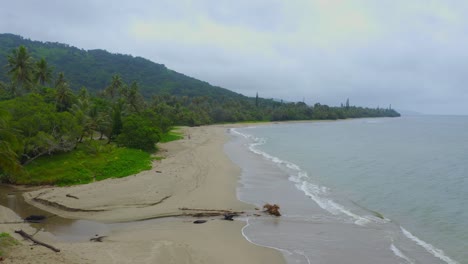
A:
(414, 60)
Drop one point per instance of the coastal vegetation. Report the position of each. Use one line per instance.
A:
(69, 116)
(6, 241)
(85, 164)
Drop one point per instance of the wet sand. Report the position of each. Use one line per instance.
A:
(195, 174)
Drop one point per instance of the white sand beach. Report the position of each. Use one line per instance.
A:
(195, 174)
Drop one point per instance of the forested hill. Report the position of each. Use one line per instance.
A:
(94, 69)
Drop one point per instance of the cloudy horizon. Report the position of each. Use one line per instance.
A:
(410, 54)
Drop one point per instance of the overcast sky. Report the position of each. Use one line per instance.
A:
(412, 54)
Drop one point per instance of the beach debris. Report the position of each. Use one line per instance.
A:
(257, 215)
(35, 219)
(97, 238)
(272, 209)
(229, 216)
(197, 212)
(158, 171)
(72, 196)
(26, 236)
(199, 221)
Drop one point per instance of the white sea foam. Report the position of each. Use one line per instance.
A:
(317, 194)
(314, 191)
(439, 253)
(302, 182)
(400, 254)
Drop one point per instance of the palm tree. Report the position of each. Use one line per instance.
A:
(115, 86)
(43, 73)
(133, 97)
(20, 69)
(63, 96)
(80, 111)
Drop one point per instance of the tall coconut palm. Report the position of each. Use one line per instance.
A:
(20, 69)
(64, 95)
(115, 87)
(134, 98)
(42, 73)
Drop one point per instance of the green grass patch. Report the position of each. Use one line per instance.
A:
(158, 158)
(172, 135)
(90, 162)
(6, 241)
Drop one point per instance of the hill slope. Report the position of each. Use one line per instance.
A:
(94, 69)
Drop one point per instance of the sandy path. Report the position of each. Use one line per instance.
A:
(195, 174)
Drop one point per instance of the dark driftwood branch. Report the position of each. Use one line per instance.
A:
(26, 236)
(72, 196)
(209, 210)
(97, 239)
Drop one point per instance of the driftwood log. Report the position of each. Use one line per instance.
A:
(72, 196)
(97, 239)
(229, 216)
(26, 236)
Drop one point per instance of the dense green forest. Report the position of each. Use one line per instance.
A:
(43, 114)
(94, 68)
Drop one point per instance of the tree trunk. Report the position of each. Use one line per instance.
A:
(26, 236)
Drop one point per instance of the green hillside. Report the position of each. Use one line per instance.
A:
(94, 69)
(183, 100)
(128, 103)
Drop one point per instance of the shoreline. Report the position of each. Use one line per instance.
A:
(356, 231)
(196, 173)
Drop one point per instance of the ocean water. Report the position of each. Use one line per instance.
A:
(389, 190)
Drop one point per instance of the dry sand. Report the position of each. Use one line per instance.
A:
(196, 173)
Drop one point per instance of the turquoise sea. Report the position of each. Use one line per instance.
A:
(387, 190)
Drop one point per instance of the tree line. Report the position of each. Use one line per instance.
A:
(40, 114)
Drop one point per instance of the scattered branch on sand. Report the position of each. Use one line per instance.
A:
(160, 201)
(26, 236)
(198, 213)
(209, 210)
(229, 216)
(97, 239)
(72, 196)
(272, 209)
(199, 221)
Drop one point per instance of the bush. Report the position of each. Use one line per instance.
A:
(138, 133)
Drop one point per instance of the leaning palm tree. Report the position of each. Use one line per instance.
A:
(42, 73)
(20, 69)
